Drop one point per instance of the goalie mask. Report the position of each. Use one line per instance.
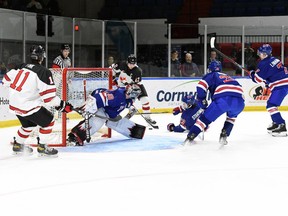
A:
(188, 101)
(37, 53)
(133, 91)
(215, 66)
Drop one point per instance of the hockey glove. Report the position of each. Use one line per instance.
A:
(170, 127)
(177, 110)
(131, 112)
(252, 75)
(64, 107)
(202, 103)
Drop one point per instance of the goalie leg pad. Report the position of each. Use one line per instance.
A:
(79, 132)
(127, 128)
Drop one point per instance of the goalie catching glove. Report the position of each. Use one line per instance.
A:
(64, 107)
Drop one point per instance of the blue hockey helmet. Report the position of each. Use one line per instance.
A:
(188, 100)
(265, 48)
(215, 66)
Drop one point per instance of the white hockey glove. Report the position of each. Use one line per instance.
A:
(115, 71)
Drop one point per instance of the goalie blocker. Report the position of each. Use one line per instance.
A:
(124, 126)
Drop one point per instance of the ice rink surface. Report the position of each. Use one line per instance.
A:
(155, 176)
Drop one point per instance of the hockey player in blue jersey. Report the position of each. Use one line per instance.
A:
(189, 110)
(271, 71)
(227, 97)
(107, 106)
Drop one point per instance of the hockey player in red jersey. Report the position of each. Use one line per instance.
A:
(272, 72)
(30, 87)
(132, 73)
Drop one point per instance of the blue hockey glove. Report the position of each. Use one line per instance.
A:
(170, 127)
(177, 110)
(252, 74)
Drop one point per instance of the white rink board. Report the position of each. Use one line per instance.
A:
(164, 93)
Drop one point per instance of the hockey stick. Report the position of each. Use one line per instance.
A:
(87, 116)
(212, 44)
(83, 113)
(153, 126)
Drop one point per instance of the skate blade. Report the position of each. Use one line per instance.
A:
(188, 143)
(282, 134)
(22, 154)
(42, 155)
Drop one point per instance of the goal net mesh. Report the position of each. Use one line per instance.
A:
(74, 85)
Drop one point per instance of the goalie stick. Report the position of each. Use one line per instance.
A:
(83, 113)
(88, 115)
(212, 44)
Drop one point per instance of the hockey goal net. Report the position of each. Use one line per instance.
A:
(74, 85)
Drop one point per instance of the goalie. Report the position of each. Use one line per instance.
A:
(104, 107)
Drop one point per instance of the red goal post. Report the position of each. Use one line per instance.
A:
(74, 85)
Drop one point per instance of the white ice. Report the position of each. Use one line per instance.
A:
(155, 176)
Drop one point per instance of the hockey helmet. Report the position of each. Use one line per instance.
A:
(188, 101)
(133, 91)
(37, 52)
(215, 66)
(132, 59)
(266, 49)
(65, 47)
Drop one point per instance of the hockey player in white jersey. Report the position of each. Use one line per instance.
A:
(130, 73)
(30, 87)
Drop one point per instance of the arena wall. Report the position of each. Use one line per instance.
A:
(164, 94)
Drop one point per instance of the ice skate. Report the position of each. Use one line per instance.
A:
(272, 127)
(73, 141)
(223, 138)
(44, 150)
(21, 149)
(189, 140)
(280, 131)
